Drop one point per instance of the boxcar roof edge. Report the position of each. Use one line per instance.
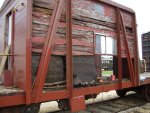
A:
(110, 2)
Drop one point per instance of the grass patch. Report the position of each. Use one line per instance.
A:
(107, 73)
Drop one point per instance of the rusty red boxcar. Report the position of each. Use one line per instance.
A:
(58, 50)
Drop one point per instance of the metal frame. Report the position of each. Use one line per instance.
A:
(136, 63)
(36, 94)
(119, 48)
(105, 44)
(28, 54)
(69, 48)
(46, 53)
(130, 64)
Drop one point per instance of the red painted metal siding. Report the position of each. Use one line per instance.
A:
(2, 34)
(88, 17)
(19, 73)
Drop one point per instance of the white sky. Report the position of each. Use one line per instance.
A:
(141, 7)
(1, 2)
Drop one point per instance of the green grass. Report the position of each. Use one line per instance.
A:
(107, 73)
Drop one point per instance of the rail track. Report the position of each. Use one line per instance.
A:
(133, 103)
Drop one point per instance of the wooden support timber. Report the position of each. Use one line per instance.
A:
(3, 61)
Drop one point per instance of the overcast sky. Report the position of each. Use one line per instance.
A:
(141, 7)
(1, 2)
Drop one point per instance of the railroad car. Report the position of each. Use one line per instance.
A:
(145, 49)
(54, 49)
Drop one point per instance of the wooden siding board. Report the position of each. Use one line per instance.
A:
(81, 17)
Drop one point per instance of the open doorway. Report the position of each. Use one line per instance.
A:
(106, 57)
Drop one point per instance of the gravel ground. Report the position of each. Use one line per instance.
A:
(104, 106)
(49, 107)
(141, 109)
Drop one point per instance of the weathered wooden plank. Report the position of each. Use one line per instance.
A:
(39, 27)
(85, 13)
(45, 1)
(93, 15)
(127, 19)
(82, 19)
(55, 83)
(42, 10)
(45, 5)
(36, 33)
(95, 10)
(63, 53)
(56, 68)
(10, 91)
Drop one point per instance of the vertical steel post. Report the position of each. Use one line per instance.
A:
(130, 64)
(136, 52)
(76, 103)
(119, 48)
(13, 35)
(69, 49)
(28, 53)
